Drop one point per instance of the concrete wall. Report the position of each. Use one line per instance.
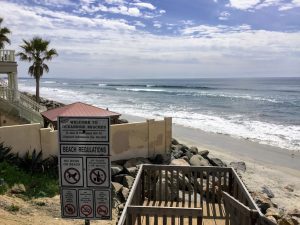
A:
(130, 140)
(21, 137)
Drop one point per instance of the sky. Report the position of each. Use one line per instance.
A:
(160, 38)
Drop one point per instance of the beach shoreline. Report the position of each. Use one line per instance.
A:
(261, 171)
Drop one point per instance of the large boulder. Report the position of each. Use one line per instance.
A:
(125, 193)
(198, 160)
(203, 153)
(217, 162)
(274, 212)
(128, 181)
(116, 169)
(179, 162)
(136, 162)
(194, 150)
(132, 171)
(174, 141)
(238, 166)
(287, 220)
(177, 153)
(262, 201)
(116, 187)
(267, 191)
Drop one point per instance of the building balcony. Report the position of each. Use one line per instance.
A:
(8, 62)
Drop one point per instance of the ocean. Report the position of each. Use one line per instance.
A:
(264, 110)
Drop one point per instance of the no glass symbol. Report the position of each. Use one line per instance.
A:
(72, 176)
(98, 176)
(102, 210)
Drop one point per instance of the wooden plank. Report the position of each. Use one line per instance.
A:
(164, 211)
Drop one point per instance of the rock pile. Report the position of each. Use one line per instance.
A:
(124, 173)
(49, 104)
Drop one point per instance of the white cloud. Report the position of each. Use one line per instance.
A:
(243, 4)
(259, 4)
(162, 11)
(291, 5)
(92, 45)
(145, 5)
(157, 24)
(114, 1)
(224, 15)
(139, 23)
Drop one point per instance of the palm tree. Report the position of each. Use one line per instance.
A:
(36, 51)
(3, 35)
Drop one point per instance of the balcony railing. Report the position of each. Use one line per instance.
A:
(7, 55)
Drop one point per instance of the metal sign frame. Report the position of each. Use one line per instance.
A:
(90, 153)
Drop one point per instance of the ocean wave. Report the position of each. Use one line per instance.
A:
(238, 126)
(49, 82)
(222, 95)
(102, 85)
(161, 86)
(144, 90)
(277, 135)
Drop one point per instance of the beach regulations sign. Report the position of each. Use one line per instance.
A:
(84, 167)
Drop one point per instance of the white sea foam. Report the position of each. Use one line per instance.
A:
(142, 90)
(102, 85)
(49, 82)
(232, 96)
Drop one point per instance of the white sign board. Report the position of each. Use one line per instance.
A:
(83, 129)
(84, 167)
(103, 204)
(69, 203)
(84, 149)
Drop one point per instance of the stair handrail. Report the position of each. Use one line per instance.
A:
(24, 99)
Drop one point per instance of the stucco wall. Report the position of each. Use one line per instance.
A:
(21, 137)
(130, 140)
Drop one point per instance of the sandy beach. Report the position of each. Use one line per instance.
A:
(266, 165)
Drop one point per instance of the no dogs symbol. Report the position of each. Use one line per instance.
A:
(72, 176)
(98, 176)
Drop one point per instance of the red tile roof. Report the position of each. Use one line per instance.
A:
(77, 109)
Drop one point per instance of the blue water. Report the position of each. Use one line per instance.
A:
(265, 110)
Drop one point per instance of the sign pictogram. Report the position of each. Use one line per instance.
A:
(69, 209)
(72, 176)
(98, 176)
(86, 210)
(69, 203)
(86, 203)
(102, 210)
(98, 171)
(71, 171)
(102, 200)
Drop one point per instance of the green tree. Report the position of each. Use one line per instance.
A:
(36, 51)
(3, 35)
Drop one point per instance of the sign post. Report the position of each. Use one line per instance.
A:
(84, 168)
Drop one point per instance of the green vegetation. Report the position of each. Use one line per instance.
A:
(3, 35)
(40, 177)
(36, 51)
(12, 208)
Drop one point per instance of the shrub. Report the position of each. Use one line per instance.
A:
(5, 154)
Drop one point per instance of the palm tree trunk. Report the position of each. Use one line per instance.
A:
(37, 89)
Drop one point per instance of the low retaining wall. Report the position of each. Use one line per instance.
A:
(129, 140)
